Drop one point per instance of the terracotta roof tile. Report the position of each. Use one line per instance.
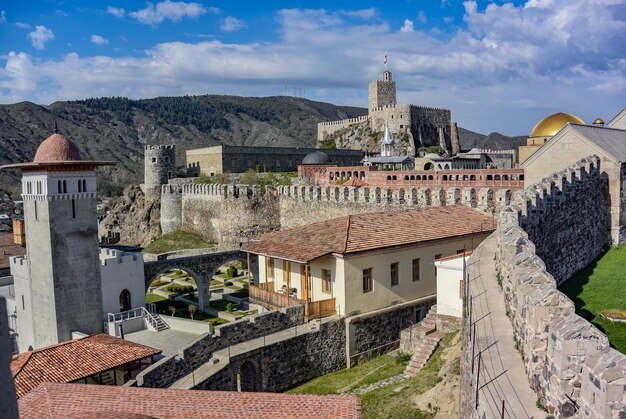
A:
(370, 231)
(56, 148)
(91, 401)
(75, 359)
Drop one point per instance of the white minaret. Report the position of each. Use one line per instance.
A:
(387, 144)
(57, 283)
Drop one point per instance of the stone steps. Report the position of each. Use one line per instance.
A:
(428, 336)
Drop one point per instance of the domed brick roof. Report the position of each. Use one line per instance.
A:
(316, 157)
(552, 124)
(57, 148)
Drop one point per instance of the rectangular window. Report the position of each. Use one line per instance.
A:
(270, 268)
(367, 280)
(395, 277)
(36, 216)
(23, 305)
(326, 281)
(73, 208)
(416, 269)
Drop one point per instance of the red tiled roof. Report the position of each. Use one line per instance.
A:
(56, 148)
(370, 231)
(75, 359)
(8, 249)
(53, 400)
(353, 181)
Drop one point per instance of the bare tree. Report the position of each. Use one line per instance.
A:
(173, 310)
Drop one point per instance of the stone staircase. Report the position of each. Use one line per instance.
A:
(427, 337)
(155, 322)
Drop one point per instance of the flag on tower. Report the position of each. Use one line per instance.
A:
(385, 61)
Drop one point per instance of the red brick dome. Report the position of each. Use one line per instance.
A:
(56, 148)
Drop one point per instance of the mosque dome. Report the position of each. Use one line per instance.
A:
(316, 157)
(552, 124)
(57, 148)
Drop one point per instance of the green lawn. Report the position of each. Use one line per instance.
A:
(602, 286)
(177, 240)
(153, 298)
(182, 311)
(391, 401)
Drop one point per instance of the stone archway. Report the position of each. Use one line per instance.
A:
(201, 268)
(248, 377)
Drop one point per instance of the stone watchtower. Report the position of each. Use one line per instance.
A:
(57, 283)
(382, 92)
(159, 167)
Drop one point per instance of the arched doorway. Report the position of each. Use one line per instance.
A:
(125, 304)
(248, 378)
(429, 166)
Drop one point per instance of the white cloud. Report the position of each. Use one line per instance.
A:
(115, 11)
(3, 16)
(421, 17)
(507, 60)
(171, 10)
(408, 26)
(98, 40)
(231, 24)
(22, 25)
(40, 36)
(362, 14)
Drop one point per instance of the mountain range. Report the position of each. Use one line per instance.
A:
(118, 128)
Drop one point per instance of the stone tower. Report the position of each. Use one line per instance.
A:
(159, 167)
(382, 92)
(57, 283)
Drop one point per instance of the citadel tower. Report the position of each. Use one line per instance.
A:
(159, 167)
(57, 283)
(382, 92)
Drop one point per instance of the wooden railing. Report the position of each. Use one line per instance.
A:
(267, 286)
(258, 295)
(319, 309)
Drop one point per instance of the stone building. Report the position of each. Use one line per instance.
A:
(364, 262)
(159, 168)
(423, 126)
(577, 141)
(475, 159)
(237, 159)
(57, 283)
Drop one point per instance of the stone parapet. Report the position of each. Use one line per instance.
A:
(548, 232)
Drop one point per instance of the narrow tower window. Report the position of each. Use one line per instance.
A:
(36, 217)
(73, 208)
(84, 185)
(80, 185)
(59, 187)
(64, 186)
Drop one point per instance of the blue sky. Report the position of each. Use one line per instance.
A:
(498, 66)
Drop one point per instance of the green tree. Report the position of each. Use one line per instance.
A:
(173, 310)
(192, 309)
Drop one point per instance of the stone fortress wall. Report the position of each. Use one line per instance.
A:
(230, 214)
(549, 231)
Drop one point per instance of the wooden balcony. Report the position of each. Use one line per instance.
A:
(263, 294)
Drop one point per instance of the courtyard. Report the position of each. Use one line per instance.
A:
(598, 294)
(174, 293)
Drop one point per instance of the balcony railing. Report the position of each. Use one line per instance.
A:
(264, 295)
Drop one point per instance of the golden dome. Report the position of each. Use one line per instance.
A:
(552, 124)
(598, 121)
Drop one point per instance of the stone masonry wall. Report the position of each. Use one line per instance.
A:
(283, 365)
(568, 361)
(169, 369)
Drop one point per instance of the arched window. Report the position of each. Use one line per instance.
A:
(445, 177)
(446, 167)
(394, 177)
(84, 185)
(406, 177)
(489, 177)
(80, 185)
(125, 300)
(388, 177)
(496, 177)
(59, 187)
(64, 186)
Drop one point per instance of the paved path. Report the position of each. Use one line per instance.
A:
(220, 359)
(502, 375)
(169, 340)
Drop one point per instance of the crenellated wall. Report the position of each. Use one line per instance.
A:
(549, 231)
(230, 214)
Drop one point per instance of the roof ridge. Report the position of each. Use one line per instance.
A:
(345, 243)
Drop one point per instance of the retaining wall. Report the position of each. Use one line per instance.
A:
(171, 368)
(569, 362)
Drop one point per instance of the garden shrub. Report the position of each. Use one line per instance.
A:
(231, 272)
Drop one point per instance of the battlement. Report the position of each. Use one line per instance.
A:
(160, 147)
(344, 121)
(552, 229)
(429, 108)
(113, 256)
